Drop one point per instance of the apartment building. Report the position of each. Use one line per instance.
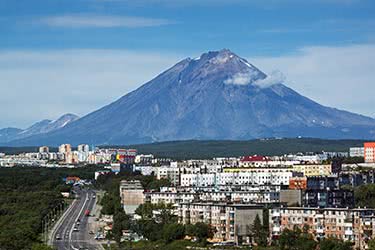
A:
(355, 225)
(267, 176)
(357, 152)
(167, 172)
(355, 178)
(43, 149)
(369, 150)
(83, 148)
(174, 196)
(232, 221)
(313, 169)
(131, 194)
(65, 148)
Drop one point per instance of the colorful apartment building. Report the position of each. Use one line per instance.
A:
(298, 183)
(313, 169)
(355, 225)
(369, 150)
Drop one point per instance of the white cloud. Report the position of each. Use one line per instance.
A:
(37, 85)
(248, 77)
(341, 77)
(240, 79)
(94, 21)
(275, 77)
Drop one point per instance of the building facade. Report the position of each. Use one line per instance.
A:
(232, 222)
(357, 152)
(355, 225)
(369, 148)
(131, 193)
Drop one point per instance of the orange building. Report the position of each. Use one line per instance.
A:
(297, 183)
(369, 152)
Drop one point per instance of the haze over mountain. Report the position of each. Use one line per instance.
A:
(42, 127)
(218, 95)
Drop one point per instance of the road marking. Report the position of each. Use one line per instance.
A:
(79, 214)
(59, 223)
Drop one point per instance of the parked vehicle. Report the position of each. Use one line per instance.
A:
(87, 212)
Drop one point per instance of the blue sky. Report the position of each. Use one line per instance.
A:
(60, 56)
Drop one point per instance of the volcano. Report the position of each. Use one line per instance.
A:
(218, 95)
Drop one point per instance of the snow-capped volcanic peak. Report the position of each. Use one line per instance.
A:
(223, 56)
(222, 66)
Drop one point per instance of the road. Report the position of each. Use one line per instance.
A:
(64, 236)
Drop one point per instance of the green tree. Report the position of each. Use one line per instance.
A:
(334, 244)
(41, 247)
(365, 195)
(201, 231)
(371, 244)
(259, 233)
(173, 232)
(121, 221)
(296, 239)
(166, 216)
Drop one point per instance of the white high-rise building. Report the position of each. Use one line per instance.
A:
(43, 149)
(83, 148)
(65, 148)
(357, 152)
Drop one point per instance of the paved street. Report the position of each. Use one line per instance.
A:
(64, 236)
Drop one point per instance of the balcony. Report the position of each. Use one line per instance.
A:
(368, 223)
(348, 232)
(275, 214)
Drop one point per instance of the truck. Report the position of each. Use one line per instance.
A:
(87, 212)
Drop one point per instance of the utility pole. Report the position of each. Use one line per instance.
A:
(43, 230)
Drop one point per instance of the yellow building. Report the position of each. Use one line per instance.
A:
(313, 170)
(257, 170)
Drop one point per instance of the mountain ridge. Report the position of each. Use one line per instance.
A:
(41, 127)
(218, 95)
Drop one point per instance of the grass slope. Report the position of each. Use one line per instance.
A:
(208, 149)
(225, 148)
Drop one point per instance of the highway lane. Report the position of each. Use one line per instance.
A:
(82, 238)
(70, 239)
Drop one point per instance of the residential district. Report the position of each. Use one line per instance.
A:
(311, 191)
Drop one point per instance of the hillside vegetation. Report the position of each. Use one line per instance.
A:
(208, 149)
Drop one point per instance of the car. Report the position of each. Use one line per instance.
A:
(75, 229)
(99, 237)
(93, 196)
(78, 223)
(58, 237)
(225, 243)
